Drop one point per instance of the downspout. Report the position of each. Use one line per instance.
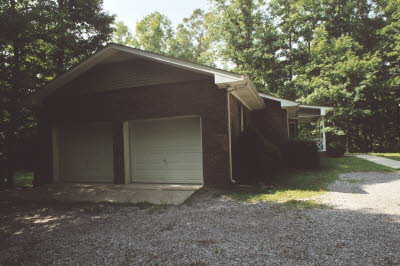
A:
(323, 134)
(229, 90)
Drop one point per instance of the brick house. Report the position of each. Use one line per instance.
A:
(125, 116)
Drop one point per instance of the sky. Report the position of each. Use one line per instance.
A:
(131, 11)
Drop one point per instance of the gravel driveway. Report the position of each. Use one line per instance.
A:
(362, 228)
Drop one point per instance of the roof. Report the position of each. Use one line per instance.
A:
(241, 85)
(323, 109)
(284, 103)
(292, 105)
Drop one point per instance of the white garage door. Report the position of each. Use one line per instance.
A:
(166, 151)
(86, 153)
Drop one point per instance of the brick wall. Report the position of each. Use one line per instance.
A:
(201, 98)
(272, 122)
(235, 119)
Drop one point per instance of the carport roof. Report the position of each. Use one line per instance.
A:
(297, 110)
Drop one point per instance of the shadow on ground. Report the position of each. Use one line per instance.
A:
(208, 230)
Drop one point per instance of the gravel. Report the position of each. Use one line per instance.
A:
(362, 228)
(372, 192)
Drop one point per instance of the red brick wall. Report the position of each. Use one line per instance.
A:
(235, 121)
(235, 131)
(272, 122)
(201, 98)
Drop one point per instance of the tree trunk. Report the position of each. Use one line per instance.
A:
(10, 137)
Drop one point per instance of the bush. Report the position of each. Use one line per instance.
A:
(301, 154)
(258, 159)
(336, 149)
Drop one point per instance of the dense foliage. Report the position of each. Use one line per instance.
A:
(38, 40)
(341, 53)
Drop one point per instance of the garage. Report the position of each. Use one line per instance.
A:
(85, 153)
(166, 151)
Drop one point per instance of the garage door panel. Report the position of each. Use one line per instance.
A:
(147, 176)
(86, 153)
(167, 151)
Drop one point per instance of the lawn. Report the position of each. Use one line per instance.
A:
(23, 179)
(304, 184)
(393, 156)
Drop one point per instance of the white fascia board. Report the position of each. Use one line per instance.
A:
(221, 74)
(323, 109)
(246, 93)
(285, 104)
(259, 102)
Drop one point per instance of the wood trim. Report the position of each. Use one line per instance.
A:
(118, 152)
(55, 144)
(127, 152)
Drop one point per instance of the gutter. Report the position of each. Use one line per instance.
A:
(230, 89)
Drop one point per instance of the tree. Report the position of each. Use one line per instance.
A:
(324, 52)
(250, 41)
(42, 40)
(338, 75)
(194, 38)
(154, 33)
(122, 34)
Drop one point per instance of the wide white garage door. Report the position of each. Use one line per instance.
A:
(86, 153)
(166, 151)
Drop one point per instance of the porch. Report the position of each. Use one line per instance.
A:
(300, 114)
(315, 115)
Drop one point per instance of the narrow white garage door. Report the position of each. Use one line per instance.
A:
(86, 153)
(166, 151)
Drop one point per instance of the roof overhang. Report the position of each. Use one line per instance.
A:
(285, 104)
(240, 84)
(296, 110)
(323, 110)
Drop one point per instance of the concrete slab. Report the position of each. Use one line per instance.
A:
(132, 193)
(380, 160)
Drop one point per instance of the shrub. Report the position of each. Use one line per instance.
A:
(301, 154)
(258, 159)
(336, 149)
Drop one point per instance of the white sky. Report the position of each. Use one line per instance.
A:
(131, 11)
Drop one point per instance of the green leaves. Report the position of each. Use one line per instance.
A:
(193, 39)
(38, 40)
(153, 33)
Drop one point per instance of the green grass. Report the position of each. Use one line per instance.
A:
(23, 179)
(305, 204)
(305, 184)
(393, 156)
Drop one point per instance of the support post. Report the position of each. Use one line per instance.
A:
(323, 134)
(127, 153)
(118, 147)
